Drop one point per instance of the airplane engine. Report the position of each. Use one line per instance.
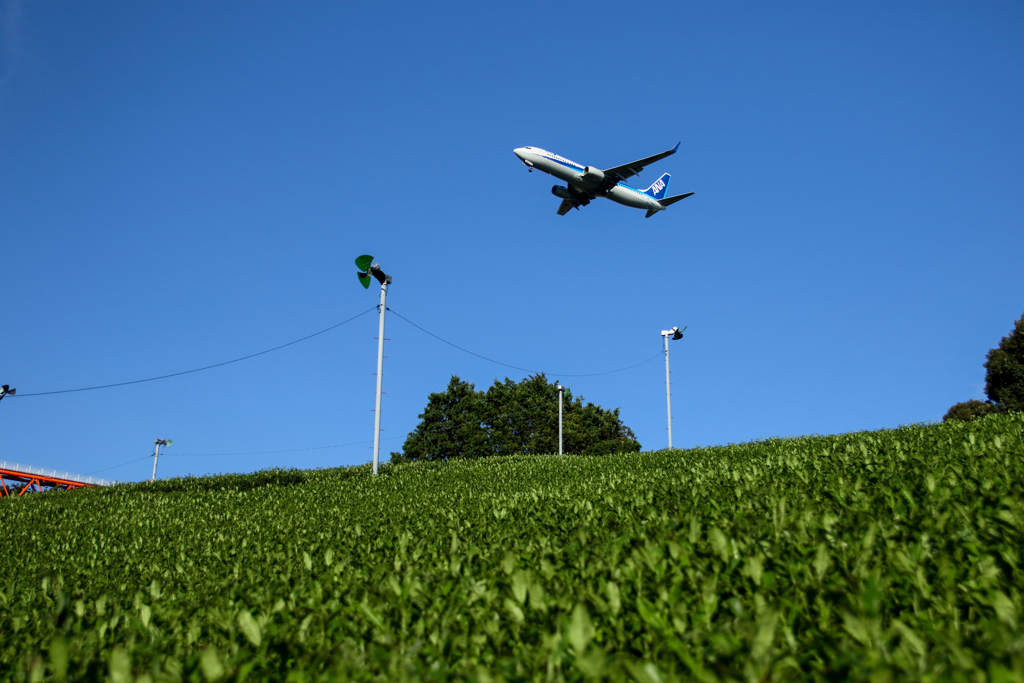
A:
(562, 192)
(592, 176)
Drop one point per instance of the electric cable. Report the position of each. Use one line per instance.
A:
(437, 430)
(207, 367)
(516, 367)
(287, 450)
(114, 467)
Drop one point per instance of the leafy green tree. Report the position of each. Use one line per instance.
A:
(1004, 379)
(968, 410)
(450, 426)
(523, 417)
(510, 418)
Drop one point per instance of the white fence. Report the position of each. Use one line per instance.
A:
(56, 474)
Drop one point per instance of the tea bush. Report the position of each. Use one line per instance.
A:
(889, 555)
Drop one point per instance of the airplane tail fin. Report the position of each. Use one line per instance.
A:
(660, 186)
(669, 201)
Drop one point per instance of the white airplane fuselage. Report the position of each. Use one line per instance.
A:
(585, 179)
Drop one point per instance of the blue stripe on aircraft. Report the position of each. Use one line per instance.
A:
(566, 163)
(580, 168)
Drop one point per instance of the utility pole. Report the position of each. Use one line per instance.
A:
(380, 372)
(384, 280)
(675, 333)
(368, 268)
(156, 454)
(561, 389)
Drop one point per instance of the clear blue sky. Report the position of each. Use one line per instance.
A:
(185, 183)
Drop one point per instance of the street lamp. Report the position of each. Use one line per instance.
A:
(561, 390)
(674, 333)
(368, 267)
(156, 453)
(6, 390)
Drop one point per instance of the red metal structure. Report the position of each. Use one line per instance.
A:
(42, 479)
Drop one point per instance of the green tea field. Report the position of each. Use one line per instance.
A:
(891, 555)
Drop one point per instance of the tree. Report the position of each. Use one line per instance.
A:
(512, 418)
(968, 410)
(1004, 380)
(523, 417)
(1004, 377)
(450, 426)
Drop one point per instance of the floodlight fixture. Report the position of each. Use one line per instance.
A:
(6, 391)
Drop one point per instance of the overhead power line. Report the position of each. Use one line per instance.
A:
(516, 367)
(114, 467)
(287, 450)
(207, 367)
(436, 430)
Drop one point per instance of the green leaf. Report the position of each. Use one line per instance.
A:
(766, 623)
(581, 629)
(821, 561)
(210, 664)
(59, 658)
(1004, 608)
(120, 666)
(250, 628)
(753, 567)
(614, 600)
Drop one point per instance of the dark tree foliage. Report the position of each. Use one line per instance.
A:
(512, 418)
(1004, 379)
(451, 426)
(969, 410)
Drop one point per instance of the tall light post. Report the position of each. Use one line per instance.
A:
(156, 454)
(561, 390)
(368, 267)
(675, 333)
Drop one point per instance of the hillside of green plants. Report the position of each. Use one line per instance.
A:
(890, 555)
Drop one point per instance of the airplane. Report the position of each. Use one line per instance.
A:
(584, 183)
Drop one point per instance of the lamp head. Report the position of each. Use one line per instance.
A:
(163, 442)
(5, 390)
(368, 267)
(675, 332)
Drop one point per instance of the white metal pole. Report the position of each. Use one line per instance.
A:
(156, 456)
(668, 393)
(380, 376)
(560, 390)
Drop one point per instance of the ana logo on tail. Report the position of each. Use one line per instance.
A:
(659, 188)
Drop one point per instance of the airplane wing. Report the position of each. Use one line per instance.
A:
(565, 206)
(629, 170)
